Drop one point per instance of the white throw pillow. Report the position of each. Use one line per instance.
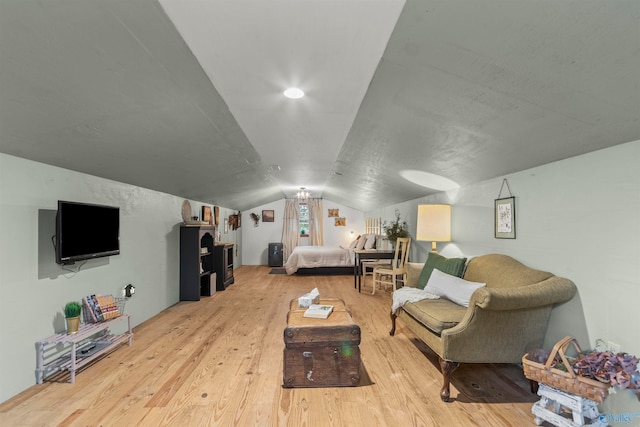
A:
(361, 241)
(371, 241)
(354, 243)
(451, 287)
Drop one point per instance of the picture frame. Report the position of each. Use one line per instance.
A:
(233, 221)
(267, 216)
(333, 213)
(341, 222)
(226, 226)
(206, 215)
(505, 218)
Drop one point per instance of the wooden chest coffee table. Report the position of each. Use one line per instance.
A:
(321, 352)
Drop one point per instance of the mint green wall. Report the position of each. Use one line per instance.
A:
(34, 288)
(578, 218)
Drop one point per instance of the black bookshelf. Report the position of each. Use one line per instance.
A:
(196, 262)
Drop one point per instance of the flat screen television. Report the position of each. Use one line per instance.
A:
(86, 231)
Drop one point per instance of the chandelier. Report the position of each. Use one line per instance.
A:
(302, 194)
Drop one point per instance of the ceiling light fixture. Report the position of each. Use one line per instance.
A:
(293, 93)
(302, 194)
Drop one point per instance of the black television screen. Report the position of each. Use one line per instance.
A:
(85, 231)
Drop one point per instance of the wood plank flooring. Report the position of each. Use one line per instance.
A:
(218, 362)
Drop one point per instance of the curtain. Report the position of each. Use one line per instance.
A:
(290, 228)
(316, 225)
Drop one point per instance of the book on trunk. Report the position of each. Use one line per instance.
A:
(318, 311)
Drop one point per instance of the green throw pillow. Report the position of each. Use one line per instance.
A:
(452, 266)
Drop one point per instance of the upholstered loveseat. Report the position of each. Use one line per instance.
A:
(504, 319)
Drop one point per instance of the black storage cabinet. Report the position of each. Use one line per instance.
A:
(196, 262)
(275, 255)
(223, 265)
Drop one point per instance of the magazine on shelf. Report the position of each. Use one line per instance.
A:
(89, 311)
(101, 307)
(318, 311)
(108, 306)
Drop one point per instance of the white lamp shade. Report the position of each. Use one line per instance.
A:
(434, 223)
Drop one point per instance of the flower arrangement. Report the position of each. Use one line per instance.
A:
(395, 229)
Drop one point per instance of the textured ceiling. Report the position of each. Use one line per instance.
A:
(184, 96)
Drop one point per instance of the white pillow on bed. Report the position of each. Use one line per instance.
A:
(451, 287)
(354, 243)
(361, 241)
(371, 241)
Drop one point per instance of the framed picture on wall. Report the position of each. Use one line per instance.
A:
(505, 218)
(206, 214)
(333, 213)
(267, 216)
(233, 221)
(226, 226)
(341, 222)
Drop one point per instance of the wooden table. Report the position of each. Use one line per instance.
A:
(367, 254)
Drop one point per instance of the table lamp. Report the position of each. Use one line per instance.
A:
(434, 224)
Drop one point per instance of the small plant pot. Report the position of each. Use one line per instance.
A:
(73, 323)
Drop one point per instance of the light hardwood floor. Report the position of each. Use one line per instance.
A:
(218, 362)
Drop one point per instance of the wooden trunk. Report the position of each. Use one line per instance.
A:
(321, 352)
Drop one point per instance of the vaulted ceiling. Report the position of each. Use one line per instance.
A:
(403, 99)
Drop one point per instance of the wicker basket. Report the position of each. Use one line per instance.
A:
(568, 382)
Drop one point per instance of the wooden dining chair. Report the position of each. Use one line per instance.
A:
(369, 266)
(389, 274)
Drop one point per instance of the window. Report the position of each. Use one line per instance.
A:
(303, 221)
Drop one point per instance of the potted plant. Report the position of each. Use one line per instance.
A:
(395, 229)
(72, 312)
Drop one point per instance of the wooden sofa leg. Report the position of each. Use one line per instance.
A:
(447, 368)
(393, 324)
(534, 386)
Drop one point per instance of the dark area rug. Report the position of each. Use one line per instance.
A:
(278, 270)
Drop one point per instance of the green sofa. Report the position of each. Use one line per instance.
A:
(504, 320)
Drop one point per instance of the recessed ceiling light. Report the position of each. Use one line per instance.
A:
(293, 93)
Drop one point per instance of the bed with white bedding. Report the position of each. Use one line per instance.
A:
(306, 259)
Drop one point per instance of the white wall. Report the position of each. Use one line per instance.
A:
(34, 288)
(255, 240)
(339, 235)
(578, 218)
